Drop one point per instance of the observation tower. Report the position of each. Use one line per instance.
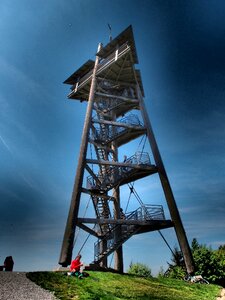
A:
(116, 117)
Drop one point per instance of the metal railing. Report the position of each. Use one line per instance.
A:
(114, 131)
(139, 158)
(109, 103)
(146, 212)
(102, 65)
(112, 57)
(115, 173)
(131, 120)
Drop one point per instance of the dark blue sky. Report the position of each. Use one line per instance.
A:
(180, 45)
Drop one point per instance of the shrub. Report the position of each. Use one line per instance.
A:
(177, 272)
(176, 267)
(161, 272)
(140, 270)
(210, 263)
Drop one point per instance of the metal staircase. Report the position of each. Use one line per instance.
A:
(121, 131)
(102, 210)
(135, 167)
(143, 215)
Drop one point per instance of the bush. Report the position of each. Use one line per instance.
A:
(140, 270)
(209, 263)
(176, 272)
(161, 272)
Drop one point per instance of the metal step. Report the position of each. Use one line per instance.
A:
(115, 245)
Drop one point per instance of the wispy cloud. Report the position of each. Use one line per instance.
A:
(12, 71)
(23, 81)
(5, 144)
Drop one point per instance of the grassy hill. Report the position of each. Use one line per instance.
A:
(108, 286)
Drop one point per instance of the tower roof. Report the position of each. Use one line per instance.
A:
(84, 69)
(123, 37)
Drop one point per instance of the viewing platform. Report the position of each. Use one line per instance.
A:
(119, 102)
(144, 219)
(121, 131)
(120, 72)
(117, 173)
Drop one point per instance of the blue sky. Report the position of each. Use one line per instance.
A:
(180, 45)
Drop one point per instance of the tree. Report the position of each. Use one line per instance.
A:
(222, 248)
(209, 263)
(177, 258)
(195, 245)
(139, 270)
(176, 268)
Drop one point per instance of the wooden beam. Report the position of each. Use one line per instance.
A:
(119, 82)
(174, 212)
(68, 239)
(103, 196)
(87, 229)
(117, 97)
(92, 174)
(99, 144)
(120, 221)
(121, 164)
(119, 124)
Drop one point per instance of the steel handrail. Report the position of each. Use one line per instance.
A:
(103, 63)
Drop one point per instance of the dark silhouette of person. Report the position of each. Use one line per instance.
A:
(122, 214)
(8, 263)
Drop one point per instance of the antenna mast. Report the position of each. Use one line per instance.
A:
(110, 32)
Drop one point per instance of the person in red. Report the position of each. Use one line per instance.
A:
(75, 266)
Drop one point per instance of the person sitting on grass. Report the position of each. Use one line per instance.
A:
(76, 268)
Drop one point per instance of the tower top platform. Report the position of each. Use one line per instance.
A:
(117, 60)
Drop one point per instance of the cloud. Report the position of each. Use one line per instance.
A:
(5, 144)
(22, 81)
(17, 75)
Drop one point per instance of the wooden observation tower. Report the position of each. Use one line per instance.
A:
(115, 116)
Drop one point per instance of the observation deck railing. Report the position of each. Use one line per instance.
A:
(116, 173)
(146, 213)
(114, 131)
(101, 66)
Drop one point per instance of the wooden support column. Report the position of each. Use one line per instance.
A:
(118, 254)
(103, 248)
(179, 229)
(68, 240)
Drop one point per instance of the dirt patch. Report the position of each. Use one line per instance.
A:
(222, 295)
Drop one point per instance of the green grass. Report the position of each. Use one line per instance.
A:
(109, 286)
